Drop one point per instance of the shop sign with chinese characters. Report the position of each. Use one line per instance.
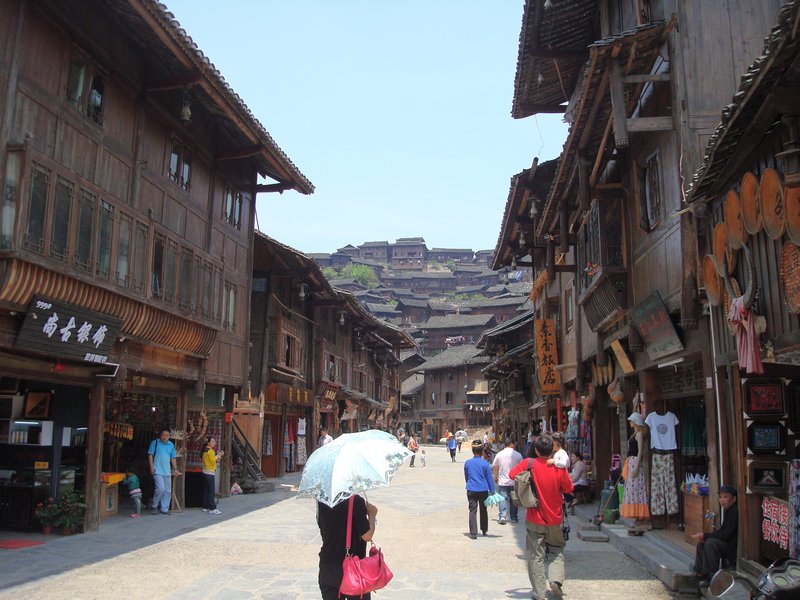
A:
(547, 356)
(64, 330)
(655, 326)
(775, 523)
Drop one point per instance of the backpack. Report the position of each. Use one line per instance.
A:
(524, 493)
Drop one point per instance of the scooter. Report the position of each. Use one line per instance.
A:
(781, 581)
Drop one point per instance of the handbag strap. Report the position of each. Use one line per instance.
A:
(349, 525)
(533, 478)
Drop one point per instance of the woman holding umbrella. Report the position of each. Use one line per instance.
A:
(333, 529)
(351, 464)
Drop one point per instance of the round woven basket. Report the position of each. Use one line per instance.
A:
(751, 207)
(773, 209)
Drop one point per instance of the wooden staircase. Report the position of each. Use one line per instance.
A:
(246, 467)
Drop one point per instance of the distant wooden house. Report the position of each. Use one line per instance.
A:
(376, 251)
(438, 329)
(484, 257)
(353, 251)
(449, 376)
(323, 259)
(409, 254)
(443, 255)
(413, 310)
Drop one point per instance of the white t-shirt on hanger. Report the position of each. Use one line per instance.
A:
(662, 430)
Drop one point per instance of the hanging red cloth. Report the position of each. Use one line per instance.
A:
(746, 336)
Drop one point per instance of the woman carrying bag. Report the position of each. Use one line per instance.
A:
(332, 524)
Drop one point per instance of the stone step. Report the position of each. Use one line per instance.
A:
(588, 527)
(587, 535)
(257, 486)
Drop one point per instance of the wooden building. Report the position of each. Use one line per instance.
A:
(438, 328)
(746, 201)
(130, 171)
(448, 377)
(376, 251)
(613, 252)
(409, 254)
(443, 255)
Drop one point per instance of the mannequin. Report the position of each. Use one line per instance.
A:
(634, 498)
(663, 443)
(572, 425)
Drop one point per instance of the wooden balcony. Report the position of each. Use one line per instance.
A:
(606, 298)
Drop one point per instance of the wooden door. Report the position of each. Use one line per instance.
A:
(271, 445)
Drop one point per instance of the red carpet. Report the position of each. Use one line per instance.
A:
(16, 544)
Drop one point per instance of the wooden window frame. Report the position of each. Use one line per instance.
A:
(232, 207)
(181, 173)
(89, 102)
(569, 307)
(649, 191)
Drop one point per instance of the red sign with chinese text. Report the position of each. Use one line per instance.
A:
(544, 331)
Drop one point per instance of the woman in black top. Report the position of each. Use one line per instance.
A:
(333, 529)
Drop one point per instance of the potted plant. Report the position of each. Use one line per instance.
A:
(49, 515)
(71, 507)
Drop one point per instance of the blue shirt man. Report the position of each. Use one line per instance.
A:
(451, 446)
(480, 482)
(163, 466)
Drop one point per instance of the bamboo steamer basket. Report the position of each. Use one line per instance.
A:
(712, 279)
(732, 211)
(790, 276)
(722, 250)
(751, 207)
(773, 208)
(791, 196)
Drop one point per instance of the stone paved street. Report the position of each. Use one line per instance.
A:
(265, 546)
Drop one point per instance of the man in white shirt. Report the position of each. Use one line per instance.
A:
(324, 437)
(504, 461)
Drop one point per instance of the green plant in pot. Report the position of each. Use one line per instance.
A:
(72, 509)
(48, 513)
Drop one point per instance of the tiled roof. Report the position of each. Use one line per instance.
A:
(413, 384)
(412, 303)
(457, 321)
(568, 26)
(213, 91)
(494, 302)
(534, 182)
(454, 356)
(637, 50)
(383, 309)
(781, 48)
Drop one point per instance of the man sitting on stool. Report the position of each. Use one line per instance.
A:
(720, 543)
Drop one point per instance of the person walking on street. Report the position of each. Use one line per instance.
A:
(324, 437)
(451, 446)
(544, 523)
(480, 483)
(506, 459)
(413, 446)
(332, 524)
(163, 466)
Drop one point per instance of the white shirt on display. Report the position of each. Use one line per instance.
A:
(662, 430)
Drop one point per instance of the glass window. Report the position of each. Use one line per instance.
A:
(83, 243)
(185, 286)
(169, 276)
(158, 266)
(94, 107)
(59, 230)
(8, 211)
(37, 210)
(186, 169)
(76, 82)
(233, 207)
(174, 161)
(140, 256)
(106, 230)
(229, 322)
(217, 292)
(124, 250)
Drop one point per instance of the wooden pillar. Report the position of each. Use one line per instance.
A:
(618, 105)
(551, 263)
(227, 436)
(181, 416)
(94, 455)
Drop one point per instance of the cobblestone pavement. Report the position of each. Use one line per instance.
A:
(266, 545)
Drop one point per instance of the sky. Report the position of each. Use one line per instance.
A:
(399, 113)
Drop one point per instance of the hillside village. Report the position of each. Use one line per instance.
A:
(450, 301)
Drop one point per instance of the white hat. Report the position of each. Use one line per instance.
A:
(636, 419)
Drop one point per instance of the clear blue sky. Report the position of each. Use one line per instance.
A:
(398, 112)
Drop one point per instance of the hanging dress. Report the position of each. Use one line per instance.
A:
(634, 498)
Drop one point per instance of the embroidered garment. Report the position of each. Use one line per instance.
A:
(746, 336)
(634, 496)
(663, 495)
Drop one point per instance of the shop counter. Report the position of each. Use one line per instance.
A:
(695, 507)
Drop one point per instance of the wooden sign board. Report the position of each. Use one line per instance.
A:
(651, 319)
(547, 356)
(65, 330)
(622, 357)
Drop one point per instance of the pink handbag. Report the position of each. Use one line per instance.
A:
(362, 575)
